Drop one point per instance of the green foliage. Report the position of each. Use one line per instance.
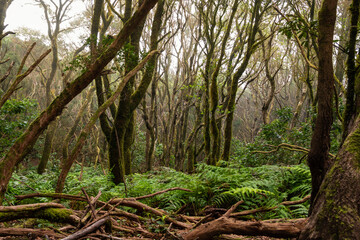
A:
(275, 133)
(260, 187)
(79, 63)
(271, 135)
(15, 116)
(301, 27)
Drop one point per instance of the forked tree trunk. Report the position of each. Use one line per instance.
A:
(336, 208)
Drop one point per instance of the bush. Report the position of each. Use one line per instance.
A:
(15, 116)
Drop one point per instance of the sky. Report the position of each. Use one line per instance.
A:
(24, 13)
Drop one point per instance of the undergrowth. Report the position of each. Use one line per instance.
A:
(264, 186)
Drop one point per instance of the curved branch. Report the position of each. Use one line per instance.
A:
(288, 147)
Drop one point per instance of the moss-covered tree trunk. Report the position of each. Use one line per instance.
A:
(68, 162)
(335, 211)
(318, 158)
(122, 135)
(122, 131)
(350, 110)
(256, 19)
(24, 144)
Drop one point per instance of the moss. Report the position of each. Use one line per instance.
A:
(353, 145)
(55, 214)
(5, 216)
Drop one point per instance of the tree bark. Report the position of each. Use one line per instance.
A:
(50, 211)
(318, 159)
(335, 211)
(350, 110)
(122, 137)
(226, 225)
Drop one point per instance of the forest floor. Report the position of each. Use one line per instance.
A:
(105, 220)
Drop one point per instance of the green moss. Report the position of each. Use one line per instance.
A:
(4, 216)
(55, 214)
(353, 145)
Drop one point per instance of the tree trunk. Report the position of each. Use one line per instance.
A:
(120, 138)
(256, 18)
(4, 5)
(67, 163)
(318, 159)
(335, 211)
(47, 147)
(121, 133)
(350, 110)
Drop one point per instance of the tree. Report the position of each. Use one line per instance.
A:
(60, 14)
(24, 144)
(335, 213)
(121, 137)
(257, 14)
(318, 158)
(4, 5)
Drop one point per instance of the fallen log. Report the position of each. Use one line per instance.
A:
(53, 212)
(225, 225)
(14, 232)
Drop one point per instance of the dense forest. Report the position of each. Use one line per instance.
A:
(179, 119)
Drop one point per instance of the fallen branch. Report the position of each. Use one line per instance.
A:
(288, 147)
(225, 225)
(143, 207)
(129, 202)
(163, 191)
(85, 231)
(7, 232)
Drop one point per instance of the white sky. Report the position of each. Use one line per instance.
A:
(23, 13)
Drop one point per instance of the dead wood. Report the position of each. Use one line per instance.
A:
(163, 191)
(85, 231)
(8, 232)
(131, 224)
(54, 212)
(225, 225)
(129, 202)
(288, 147)
(143, 207)
(91, 202)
